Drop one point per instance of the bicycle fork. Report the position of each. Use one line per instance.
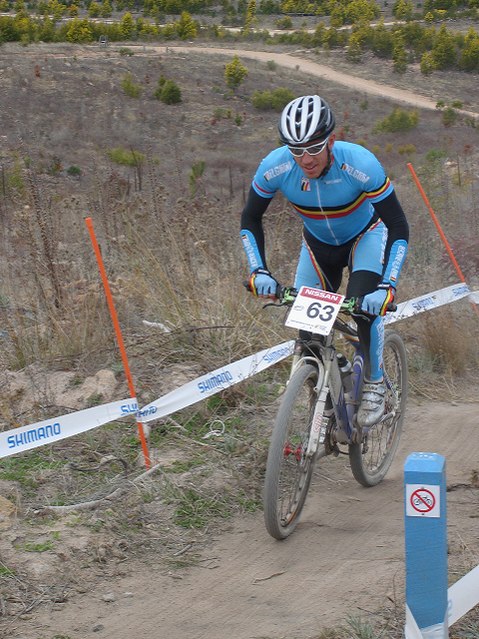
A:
(343, 410)
(317, 434)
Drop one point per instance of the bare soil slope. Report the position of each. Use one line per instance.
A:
(346, 558)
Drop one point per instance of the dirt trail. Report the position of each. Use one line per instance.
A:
(327, 73)
(346, 557)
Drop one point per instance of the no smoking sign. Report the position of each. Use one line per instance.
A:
(422, 500)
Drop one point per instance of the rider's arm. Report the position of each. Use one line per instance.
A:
(390, 211)
(252, 234)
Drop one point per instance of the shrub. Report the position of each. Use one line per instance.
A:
(168, 92)
(398, 120)
(221, 113)
(235, 73)
(125, 157)
(435, 155)
(196, 174)
(284, 23)
(407, 149)
(272, 100)
(130, 87)
(160, 85)
(74, 171)
(449, 116)
(261, 100)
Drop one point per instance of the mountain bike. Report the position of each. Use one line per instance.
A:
(317, 413)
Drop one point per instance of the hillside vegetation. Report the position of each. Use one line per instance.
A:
(412, 36)
(164, 184)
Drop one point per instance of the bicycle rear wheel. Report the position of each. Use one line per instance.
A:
(370, 460)
(288, 470)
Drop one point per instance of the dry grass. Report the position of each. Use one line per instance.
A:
(175, 258)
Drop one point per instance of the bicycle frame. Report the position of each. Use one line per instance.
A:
(322, 353)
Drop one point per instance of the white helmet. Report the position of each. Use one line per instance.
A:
(305, 119)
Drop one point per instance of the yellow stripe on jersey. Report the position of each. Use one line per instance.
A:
(343, 211)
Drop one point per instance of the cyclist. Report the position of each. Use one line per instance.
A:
(351, 218)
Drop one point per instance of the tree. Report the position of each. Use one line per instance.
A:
(235, 73)
(444, 49)
(427, 64)
(382, 41)
(79, 31)
(186, 27)
(354, 51)
(127, 26)
(94, 9)
(56, 9)
(403, 10)
(46, 31)
(360, 11)
(106, 9)
(336, 19)
(399, 53)
(250, 18)
(469, 58)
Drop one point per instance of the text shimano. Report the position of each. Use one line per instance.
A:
(34, 435)
(275, 355)
(215, 381)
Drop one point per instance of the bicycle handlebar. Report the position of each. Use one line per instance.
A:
(285, 296)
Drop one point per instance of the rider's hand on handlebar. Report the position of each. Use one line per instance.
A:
(263, 284)
(377, 302)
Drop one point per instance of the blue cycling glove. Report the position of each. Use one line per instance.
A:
(262, 283)
(377, 302)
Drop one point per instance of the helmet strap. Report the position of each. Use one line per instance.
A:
(328, 165)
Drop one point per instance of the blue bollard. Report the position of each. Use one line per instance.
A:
(426, 544)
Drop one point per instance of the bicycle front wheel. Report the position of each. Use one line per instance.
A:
(370, 460)
(288, 469)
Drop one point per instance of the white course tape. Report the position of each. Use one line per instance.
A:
(431, 300)
(463, 595)
(18, 440)
(411, 630)
(48, 431)
(214, 382)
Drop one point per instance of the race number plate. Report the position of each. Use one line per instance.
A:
(314, 310)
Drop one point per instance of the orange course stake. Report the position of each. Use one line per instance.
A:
(439, 230)
(119, 337)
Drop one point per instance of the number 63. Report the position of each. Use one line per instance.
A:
(316, 309)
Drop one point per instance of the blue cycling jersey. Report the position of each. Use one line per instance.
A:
(351, 217)
(336, 207)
